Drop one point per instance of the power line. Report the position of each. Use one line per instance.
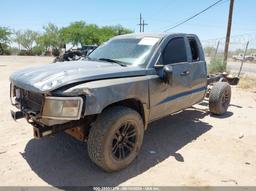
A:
(190, 18)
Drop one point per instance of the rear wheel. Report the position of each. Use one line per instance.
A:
(219, 98)
(115, 138)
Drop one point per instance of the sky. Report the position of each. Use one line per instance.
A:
(159, 14)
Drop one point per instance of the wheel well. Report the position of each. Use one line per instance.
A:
(133, 104)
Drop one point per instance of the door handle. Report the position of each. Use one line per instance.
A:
(185, 73)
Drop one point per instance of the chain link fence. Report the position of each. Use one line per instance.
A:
(242, 49)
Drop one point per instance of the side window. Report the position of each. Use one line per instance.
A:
(175, 51)
(194, 49)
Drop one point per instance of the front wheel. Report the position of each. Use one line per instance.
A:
(115, 138)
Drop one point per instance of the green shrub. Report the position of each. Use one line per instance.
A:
(25, 53)
(4, 49)
(216, 66)
(37, 51)
(14, 51)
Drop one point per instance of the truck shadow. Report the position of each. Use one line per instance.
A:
(63, 161)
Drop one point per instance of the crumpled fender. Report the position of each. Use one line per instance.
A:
(102, 93)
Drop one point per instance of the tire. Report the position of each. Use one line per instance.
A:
(219, 98)
(105, 135)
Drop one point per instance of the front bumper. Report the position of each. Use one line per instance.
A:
(47, 115)
(44, 109)
(41, 131)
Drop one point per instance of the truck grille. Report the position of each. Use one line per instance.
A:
(31, 101)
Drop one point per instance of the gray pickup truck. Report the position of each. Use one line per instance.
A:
(109, 98)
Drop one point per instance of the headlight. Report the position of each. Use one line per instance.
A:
(62, 108)
(14, 94)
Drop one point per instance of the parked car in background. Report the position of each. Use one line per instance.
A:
(75, 54)
(238, 57)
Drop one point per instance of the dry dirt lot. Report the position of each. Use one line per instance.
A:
(190, 148)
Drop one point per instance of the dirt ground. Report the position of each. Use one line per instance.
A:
(191, 148)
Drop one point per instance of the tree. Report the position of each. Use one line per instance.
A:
(74, 33)
(81, 33)
(91, 34)
(251, 51)
(5, 34)
(120, 30)
(26, 39)
(108, 32)
(51, 37)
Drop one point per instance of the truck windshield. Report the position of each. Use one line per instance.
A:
(130, 51)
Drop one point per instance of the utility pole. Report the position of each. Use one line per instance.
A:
(143, 25)
(230, 16)
(140, 24)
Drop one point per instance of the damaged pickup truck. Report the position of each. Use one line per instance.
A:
(109, 99)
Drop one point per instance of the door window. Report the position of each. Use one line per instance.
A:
(175, 51)
(194, 49)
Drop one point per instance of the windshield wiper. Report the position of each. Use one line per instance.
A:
(113, 61)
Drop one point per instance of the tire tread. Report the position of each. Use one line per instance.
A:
(215, 97)
(98, 132)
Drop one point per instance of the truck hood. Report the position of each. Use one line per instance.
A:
(48, 77)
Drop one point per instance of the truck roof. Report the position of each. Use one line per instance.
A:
(142, 35)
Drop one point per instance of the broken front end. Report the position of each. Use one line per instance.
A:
(48, 114)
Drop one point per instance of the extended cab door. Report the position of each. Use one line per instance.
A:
(198, 71)
(166, 98)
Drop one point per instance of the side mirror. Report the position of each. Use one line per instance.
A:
(168, 74)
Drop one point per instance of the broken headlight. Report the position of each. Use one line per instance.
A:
(62, 108)
(14, 95)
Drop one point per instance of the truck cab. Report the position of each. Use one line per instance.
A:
(181, 66)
